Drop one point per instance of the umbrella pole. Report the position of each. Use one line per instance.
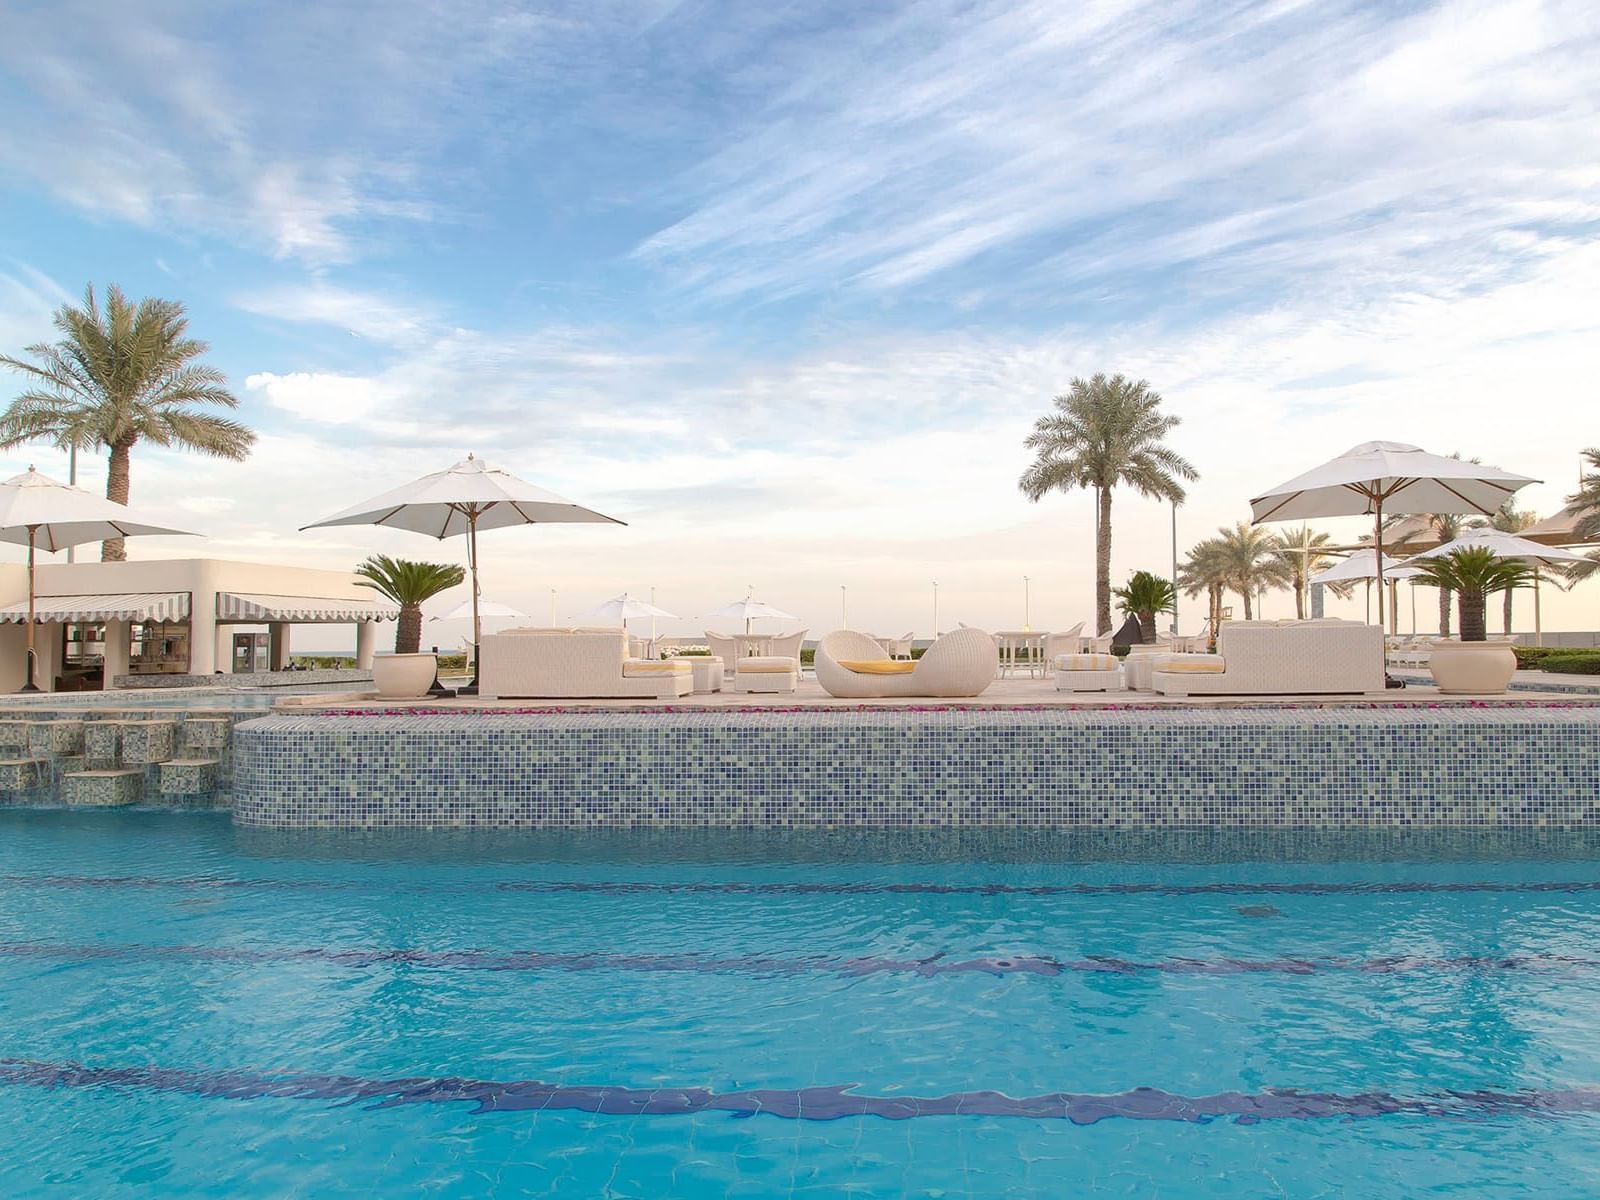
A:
(28, 684)
(477, 622)
(1538, 622)
(1377, 540)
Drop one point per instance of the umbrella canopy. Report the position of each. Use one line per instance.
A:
(622, 608)
(747, 610)
(1559, 530)
(39, 512)
(1363, 565)
(36, 510)
(487, 609)
(464, 499)
(1507, 545)
(1375, 477)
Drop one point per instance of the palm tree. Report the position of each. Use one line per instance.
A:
(1472, 573)
(1105, 431)
(1507, 519)
(1303, 554)
(120, 375)
(1206, 570)
(1250, 562)
(1143, 597)
(1585, 502)
(410, 585)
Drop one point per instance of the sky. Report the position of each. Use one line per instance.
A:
(783, 286)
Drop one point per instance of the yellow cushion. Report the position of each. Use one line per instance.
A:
(775, 664)
(879, 666)
(643, 666)
(1194, 664)
(1086, 662)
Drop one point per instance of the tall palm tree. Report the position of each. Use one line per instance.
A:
(1585, 502)
(1251, 562)
(1507, 519)
(120, 375)
(1303, 553)
(410, 585)
(1105, 431)
(1206, 570)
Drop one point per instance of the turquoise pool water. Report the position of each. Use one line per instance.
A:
(191, 1010)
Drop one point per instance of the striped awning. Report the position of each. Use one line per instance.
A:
(120, 606)
(262, 606)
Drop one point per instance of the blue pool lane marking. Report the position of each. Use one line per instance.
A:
(846, 888)
(807, 1104)
(769, 964)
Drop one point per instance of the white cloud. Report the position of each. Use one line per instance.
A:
(324, 399)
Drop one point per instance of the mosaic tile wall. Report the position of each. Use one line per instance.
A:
(1328, 768)
(99, 756)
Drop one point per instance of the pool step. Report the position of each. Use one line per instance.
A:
(207, 733)
(103, 789)
(56, 737)
(21, 774)
(189, 776)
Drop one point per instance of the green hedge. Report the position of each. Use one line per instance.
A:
(1534, 657)
(1583, 662)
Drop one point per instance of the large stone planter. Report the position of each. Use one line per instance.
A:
(1472, 668)
(403, 676)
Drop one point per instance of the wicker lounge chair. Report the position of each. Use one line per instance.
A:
(853, 666)
(1279, 658)
(557, 664)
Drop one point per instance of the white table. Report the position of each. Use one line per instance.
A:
(1021, 650)
(707, 670)
(753, 645)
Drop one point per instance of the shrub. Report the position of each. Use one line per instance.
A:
(1583, 662)
(1534, 657)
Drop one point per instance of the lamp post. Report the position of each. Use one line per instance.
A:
(1174, 569)
(844, 608)
(552, 608)
(1027, 605)
(936, 609)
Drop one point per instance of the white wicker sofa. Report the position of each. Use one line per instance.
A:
(562, 664)
(962, 663)
(1277, 658)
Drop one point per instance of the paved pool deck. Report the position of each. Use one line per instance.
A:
(1022, 693)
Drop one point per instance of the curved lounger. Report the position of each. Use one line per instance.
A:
(962, 663)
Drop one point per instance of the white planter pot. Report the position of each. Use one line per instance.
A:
(403, 676)
(1472, 668)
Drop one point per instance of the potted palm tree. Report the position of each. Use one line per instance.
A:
(1144, 596)
(407, 673)
(1473, 663)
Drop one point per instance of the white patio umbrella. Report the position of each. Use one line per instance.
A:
(1363, 565)
(464, 499)
(1509, 545)
(487, 610)
(42, 513)
(749, 609)
(623, 609)
(1378, 477)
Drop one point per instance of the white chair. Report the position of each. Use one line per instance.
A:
(1062, 643)
(900, 647)
(851, 665)
(725, 648)
(787, 646)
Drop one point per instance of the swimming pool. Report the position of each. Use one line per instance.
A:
(192, 1009)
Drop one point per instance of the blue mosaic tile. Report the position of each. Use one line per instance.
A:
(1470, 767)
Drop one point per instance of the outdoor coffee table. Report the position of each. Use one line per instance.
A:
(707, 670)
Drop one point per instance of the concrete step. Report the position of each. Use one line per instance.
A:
(21, 774)
(103, 789)
(189, 776)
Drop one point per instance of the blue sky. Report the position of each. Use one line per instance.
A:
(783, 285)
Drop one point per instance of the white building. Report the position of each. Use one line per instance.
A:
(99, 621)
